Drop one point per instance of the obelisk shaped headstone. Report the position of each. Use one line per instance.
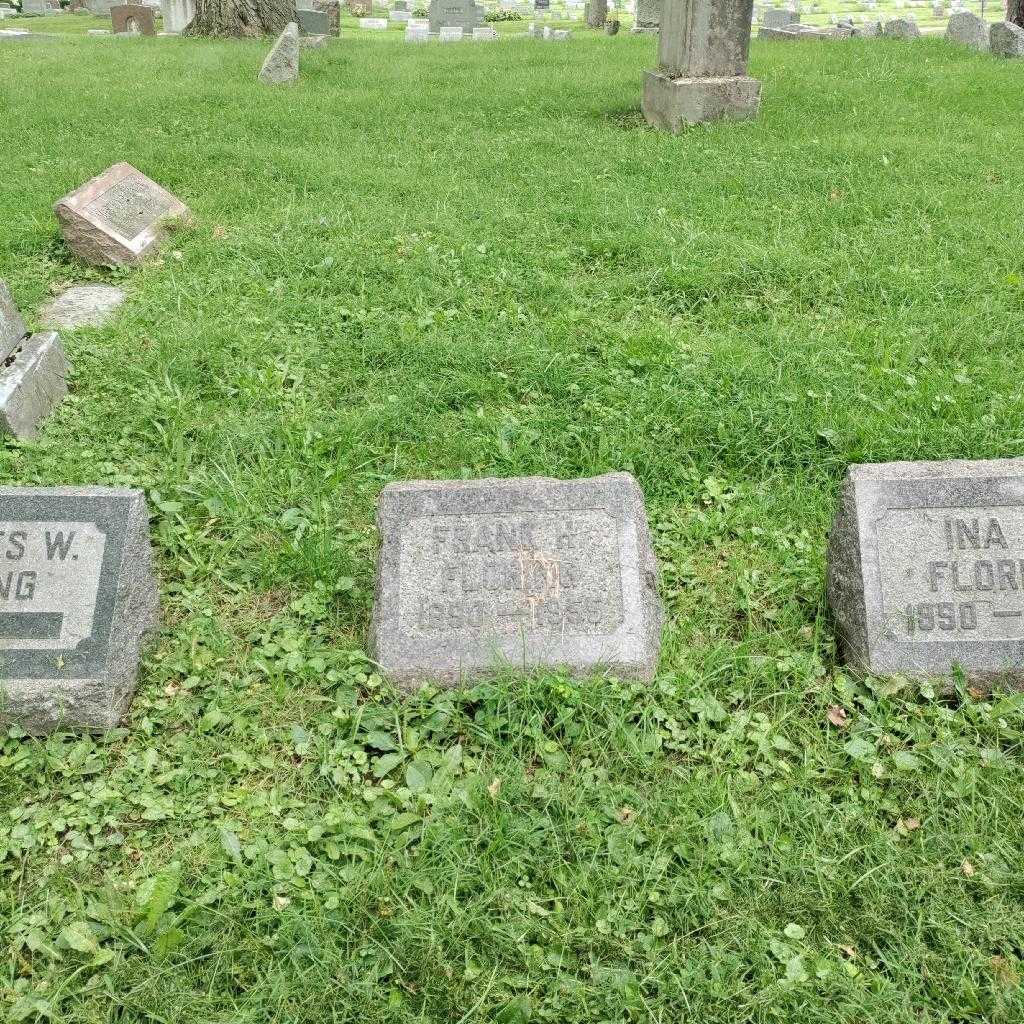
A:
(702, 65)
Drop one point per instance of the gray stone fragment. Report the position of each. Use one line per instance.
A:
(1006, 40)
(33, 382)
(312, 42)
(82, 305)
(281, 66)
(12, 326)
(531, 572)
(78, 599)
(901, 28)
(611, 27)
(967, 29)
(869, 30)
(926, 569)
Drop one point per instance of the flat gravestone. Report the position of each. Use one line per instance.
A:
(926, 568)
(77, 601)
(117, 217)
(82, 305)
(479, 575)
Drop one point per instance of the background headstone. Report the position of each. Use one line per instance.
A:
(117, 217)
(1006, 40)
(648, 16)
(78, 599)
(313, 23)
(779, 18)
(526, 572)
(130, 19)
(901, 28)
(464, 14)
(966, 28)
(926, 568)
(177, 14)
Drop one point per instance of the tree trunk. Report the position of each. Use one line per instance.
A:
(1015, 12)
(240, 18)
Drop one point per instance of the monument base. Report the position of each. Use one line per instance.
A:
(674, 103)
(644, 30)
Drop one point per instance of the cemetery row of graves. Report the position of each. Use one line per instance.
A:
(521, 566)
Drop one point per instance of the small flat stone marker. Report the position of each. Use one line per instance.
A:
(33, 372)
(479, 575)
(926, 569)
(118, 217)
(82, 305)
(281, 66)
(77, 601)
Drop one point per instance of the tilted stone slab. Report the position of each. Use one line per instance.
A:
(479, 575)
(78, 599)
(118, 217)
(926, 569)
(33, 382)
(967, 29)
(1006, 40)
(33, 372)
(281, 66)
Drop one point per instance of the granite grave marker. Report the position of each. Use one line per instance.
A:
(118, 217)
(477, 575)
(77, 601)
(926, 568)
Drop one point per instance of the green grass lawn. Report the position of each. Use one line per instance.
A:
(472, 260)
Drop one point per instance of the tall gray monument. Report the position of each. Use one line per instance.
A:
(926, 569)
(77, 600)
(480, 575)
(702, 65)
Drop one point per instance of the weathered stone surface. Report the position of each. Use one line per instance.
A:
(417, 35)
(281, 66)
(450, 34)
(648, 16)
(676, 103)
(133, 19)
(177, 14)
(101, 8)
(33, 382)
(313, 23)
(374, 23)
(704, 38)
(117, 217)
(464, 14)
(1006, 39)
(901, 28)
(561, 35)
(612, 26)
(778, 34)
(485, 33)
(966, 28)
(779, 18)
(332, 8)
(312, 42)
(476, 575)
(926, 568)
(12, 326)
(77, 601)
(869, 30)
(82, 305)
